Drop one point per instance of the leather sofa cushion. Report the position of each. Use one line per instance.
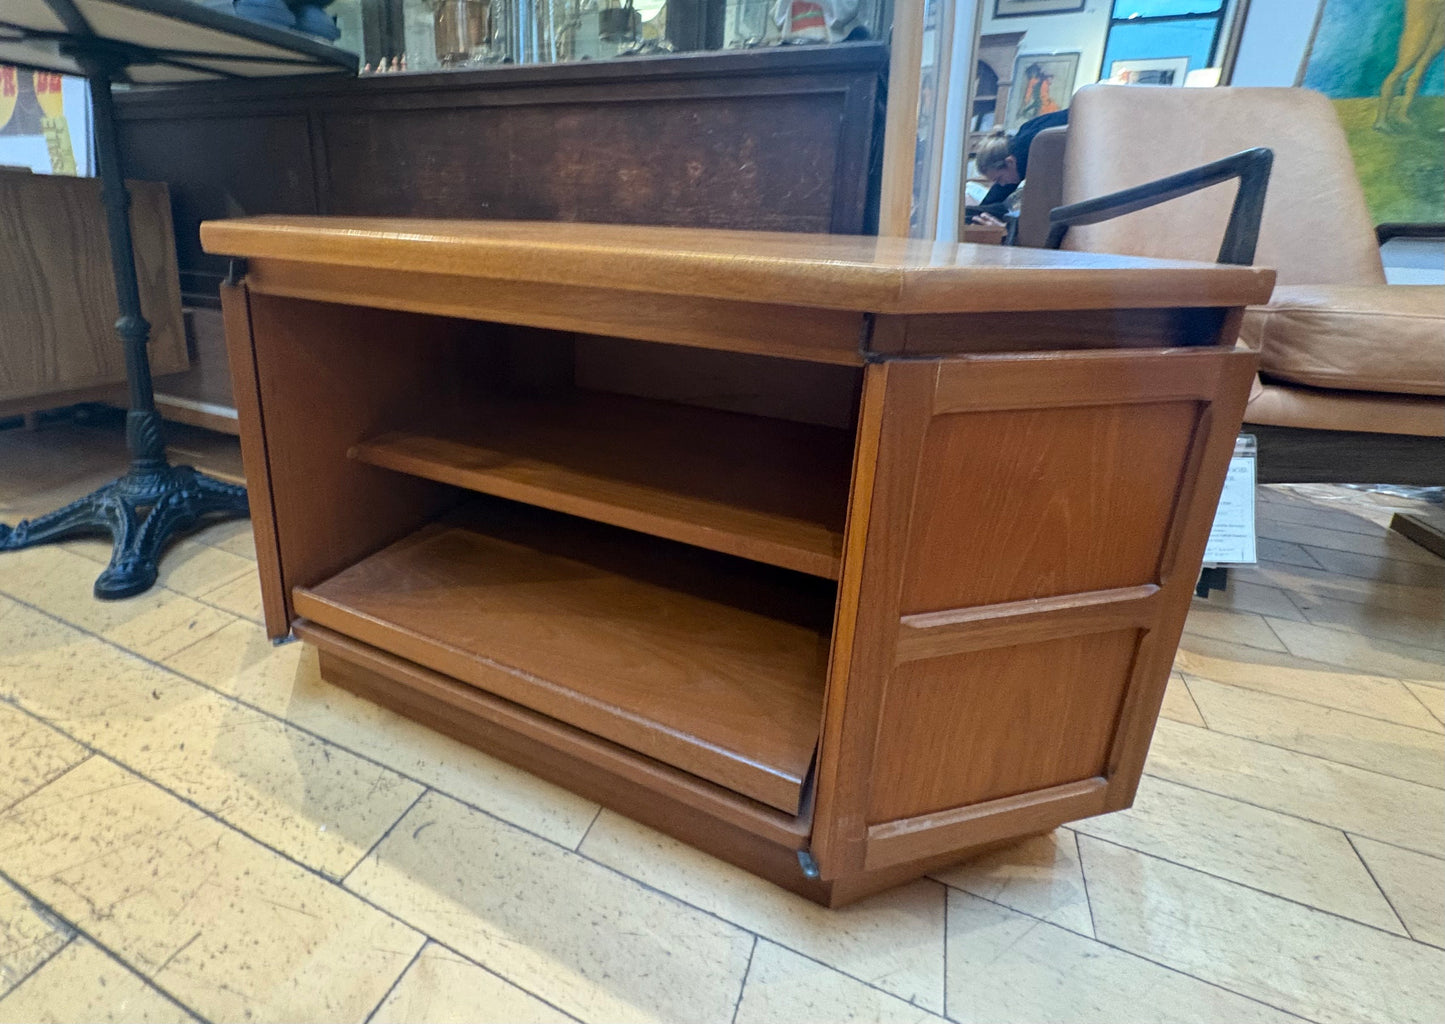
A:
(1293, 405)
(1386, 338)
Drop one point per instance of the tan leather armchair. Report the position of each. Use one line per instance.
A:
(1352, 369)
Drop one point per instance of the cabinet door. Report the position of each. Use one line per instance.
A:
(1026, 535)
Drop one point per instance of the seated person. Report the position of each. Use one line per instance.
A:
(1004, 161)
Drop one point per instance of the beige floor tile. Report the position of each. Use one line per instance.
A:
(1337, 795)
(1007, 968)
(1378, 543)
(1411, 599)
(1374, 567)
(1297, 859)
(239, 660)
(1178, 704)
(31, 754)
(154, 624)
(1244, 596)
(1301, 679)
(1367, 654)
(443, 988)
(242, 544)
(194, 569)
(241, 596)
(1415, 885)
(588, 941)
(1299, 959)
(1375, 621)
(228, 927)
(233, 535)
(1284, 553)
(81, 985)
(1432, 697)
(1245, 628)
(95, 549)
(893, 940)
(1291, 510)
(27, 937)
(785, 988)
(1039, 876)
(1397, 750)
(305, 797)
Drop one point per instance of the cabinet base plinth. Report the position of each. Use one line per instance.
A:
(743, 833)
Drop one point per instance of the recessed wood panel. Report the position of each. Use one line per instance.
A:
(990, 724)
(712, 665)
(1042, 502)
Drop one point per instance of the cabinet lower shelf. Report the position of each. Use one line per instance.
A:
(766, 489)
(707, 663)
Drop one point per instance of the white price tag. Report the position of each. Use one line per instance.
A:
(1231, 541)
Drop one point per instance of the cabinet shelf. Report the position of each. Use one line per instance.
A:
(769, 490)
(708, 663)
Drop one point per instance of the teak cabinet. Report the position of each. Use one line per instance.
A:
(840, 558)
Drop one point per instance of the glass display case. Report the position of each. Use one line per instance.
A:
(431, 35)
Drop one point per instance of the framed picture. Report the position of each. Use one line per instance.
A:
(1380, 66)
(1154, 71)
(1024, 8)
(1042, 84)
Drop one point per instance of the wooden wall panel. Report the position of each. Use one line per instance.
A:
(57, 293)
(994, 723)
(1079, 498)
(233, 165)
(782, 138)
(764, 161)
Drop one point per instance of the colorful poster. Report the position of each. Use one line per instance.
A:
(1381, 64)
(37, 109)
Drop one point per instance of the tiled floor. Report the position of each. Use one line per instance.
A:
(194, 826)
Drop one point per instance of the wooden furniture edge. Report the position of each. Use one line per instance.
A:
(468, 707)
(235, 311)
(765, 267)
(939, 634)
(927, 835)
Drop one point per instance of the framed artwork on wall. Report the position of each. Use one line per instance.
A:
(1153, 71)
(1042, 84)
(1380, 64)
(1026, 8)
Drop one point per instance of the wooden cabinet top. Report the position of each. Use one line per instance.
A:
(847, 272)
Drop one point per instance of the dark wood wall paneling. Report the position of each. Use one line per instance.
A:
(780, 139)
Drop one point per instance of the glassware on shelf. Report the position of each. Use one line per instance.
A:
(462, 30)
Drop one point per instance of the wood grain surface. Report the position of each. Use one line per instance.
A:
(695, 660)
(879, 275)
(57, 293)
(764, 489)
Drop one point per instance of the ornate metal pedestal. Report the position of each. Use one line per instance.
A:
(143, 42)
(154, 501)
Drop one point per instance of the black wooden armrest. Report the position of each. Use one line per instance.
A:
(1250, 166)
(1385, 232)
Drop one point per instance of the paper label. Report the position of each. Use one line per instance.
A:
(1231, 540)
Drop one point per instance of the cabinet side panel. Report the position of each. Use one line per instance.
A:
(1035, 532)
(235, 310)
(330, 375)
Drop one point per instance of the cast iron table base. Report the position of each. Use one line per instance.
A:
(154, 501)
